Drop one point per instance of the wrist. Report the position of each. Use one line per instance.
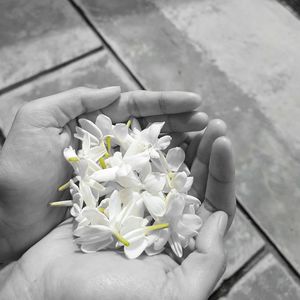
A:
(11, 286)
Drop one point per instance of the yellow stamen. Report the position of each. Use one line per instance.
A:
(101, 209)
(108, 143)
(102, 163)
(129, 122)
(157, 226)
(73, 159)
(106, 155)
(61, 203)
(170, 177)
(121, 239)
(64, 186)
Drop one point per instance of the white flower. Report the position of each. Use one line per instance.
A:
(126, 192)
(183, 225)
(148, 139)
(108, 223)
(119, 132)
(171, 165)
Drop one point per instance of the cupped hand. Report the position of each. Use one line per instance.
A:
(62, 272)
(32, 166)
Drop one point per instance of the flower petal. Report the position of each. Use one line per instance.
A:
(189, 225)
(154, 204)
(86, 144)
(80, 134)
(137, 162)
(135, 125)
(164, 142)
(151, 133)
(155, 183)
(175, 157)
(193, 222)
(175, 205)
(175, 244)
(179, 181)
(91, 128)
(130, 224)
(135, 249)
(104, 124)
(104, 175)
(162, 238)
(90, 248)
(114, 205)
(96, 152)
(95, 216)
(188, 184)
(87, 194)
(69, 152)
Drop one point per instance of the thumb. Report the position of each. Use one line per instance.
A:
(201, 270)
(59, 109)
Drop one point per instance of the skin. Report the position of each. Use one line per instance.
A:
(33, 166)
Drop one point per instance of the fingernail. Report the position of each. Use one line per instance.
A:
(222, 223)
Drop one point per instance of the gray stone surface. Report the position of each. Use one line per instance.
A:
(268, 280)
(37, 35)
(164, 54)
(242, 243)
(97, 70)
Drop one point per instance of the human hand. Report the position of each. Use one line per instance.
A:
(64, 273)
(32, 165)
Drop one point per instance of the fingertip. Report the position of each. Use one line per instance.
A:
(194, 99)
(202, 119)
(218, 126)
(222, 160)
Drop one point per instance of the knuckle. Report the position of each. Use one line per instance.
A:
(79, 91)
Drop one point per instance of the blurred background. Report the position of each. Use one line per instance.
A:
(243, 56)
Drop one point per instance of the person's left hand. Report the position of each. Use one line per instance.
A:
(32, 165)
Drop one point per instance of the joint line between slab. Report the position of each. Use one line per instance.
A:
(84, 16)
(51, 70)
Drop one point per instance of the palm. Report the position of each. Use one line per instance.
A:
(105, 274)
(39, 170)
(109, 274)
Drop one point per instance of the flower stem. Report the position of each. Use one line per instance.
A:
(108, 143)
(129, 122)
(61, 203)
(157, 226)
(102, 163)
(64, 186)
(73, 159)
(121, 239)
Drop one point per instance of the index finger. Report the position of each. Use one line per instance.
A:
(59, 109)
(149, 103)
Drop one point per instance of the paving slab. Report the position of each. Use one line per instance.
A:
(159, 42)
(268, 280)
(97, 70)
(242, 243)
(37, 35)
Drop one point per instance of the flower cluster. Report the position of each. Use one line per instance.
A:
(127, 191)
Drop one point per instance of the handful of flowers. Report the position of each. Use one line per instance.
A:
(127, 192)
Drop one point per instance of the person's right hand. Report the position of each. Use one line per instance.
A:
(32, 165)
